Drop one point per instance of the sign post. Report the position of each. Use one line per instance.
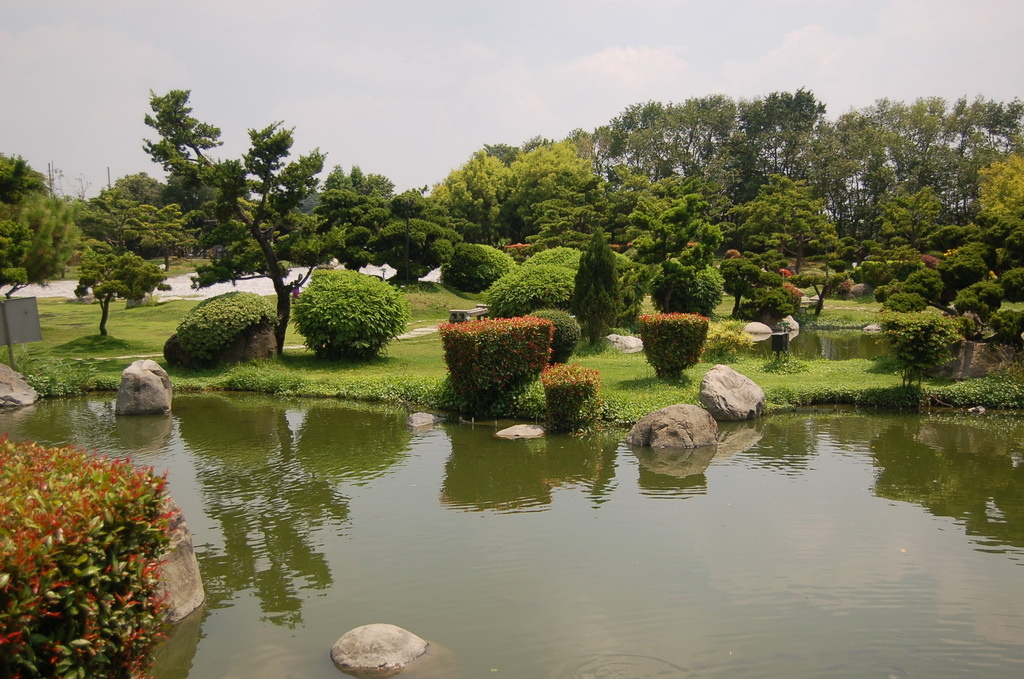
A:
(19, 323)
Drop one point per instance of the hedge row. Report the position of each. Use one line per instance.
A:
(80, 543)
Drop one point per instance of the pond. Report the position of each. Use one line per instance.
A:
(830, 544)
(833, 345)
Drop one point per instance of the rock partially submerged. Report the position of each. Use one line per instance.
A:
(377, 650)
(145, 390)
(521, 431)
(677, 426)
(419, 421)
(180, 581)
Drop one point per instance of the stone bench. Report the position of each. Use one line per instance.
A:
(463, 315)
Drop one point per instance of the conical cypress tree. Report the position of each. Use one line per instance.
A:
(596, 295)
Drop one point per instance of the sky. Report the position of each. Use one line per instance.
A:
(412, 88)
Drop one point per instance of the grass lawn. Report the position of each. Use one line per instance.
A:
(413, 369)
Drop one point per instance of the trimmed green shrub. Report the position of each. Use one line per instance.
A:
(904, 302)
(673, 342)
(527, 289)
(345, 314)
(726, 340)
(567, 258)
(918, 341)
(1008, 326)
(768, 303)
(81, 538)
(492, 358)
(1013, 284)
(474, 268)
(686, 289)
(214, 323)
(982, 299)
(567, 334)
(570, 391)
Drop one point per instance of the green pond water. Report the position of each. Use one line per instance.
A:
(830, 544)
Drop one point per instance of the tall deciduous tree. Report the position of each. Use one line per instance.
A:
(595, 299)
(472, 195)
(257, 198)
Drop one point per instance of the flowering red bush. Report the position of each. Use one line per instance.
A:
(785, 273)
(796, 293)
(80, 543)
(673, 342)
(570, 391)
(488, 357)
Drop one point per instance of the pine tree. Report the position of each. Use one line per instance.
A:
(596, 299)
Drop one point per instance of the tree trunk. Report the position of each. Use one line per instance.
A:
(104, 312)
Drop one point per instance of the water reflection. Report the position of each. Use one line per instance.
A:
(674, 472)
(484, 473)
(969, 470)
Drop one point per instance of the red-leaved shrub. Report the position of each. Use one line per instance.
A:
(489, 357)
(80, 542)
(570, 392)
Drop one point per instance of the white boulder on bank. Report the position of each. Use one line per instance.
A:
(730, 396)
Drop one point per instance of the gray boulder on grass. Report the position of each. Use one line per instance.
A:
(677, 426)
(627, 344)
(730, 396)
(145, 390)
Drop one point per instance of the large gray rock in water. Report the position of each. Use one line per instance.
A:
(421, 421)
(730, 396)
(180, 581)
(255, 343)
(377, 650)
(678, 426)
(521, 431)
(145, 390)
(627, 344)
(14, 390)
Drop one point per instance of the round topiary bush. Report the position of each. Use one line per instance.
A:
(474, 268)
(567, 334)
(345, 314)
(568, 258)
(529, 288)
(213, 324)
